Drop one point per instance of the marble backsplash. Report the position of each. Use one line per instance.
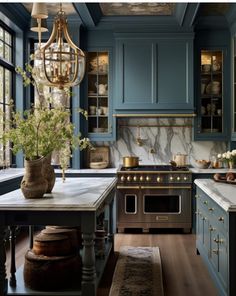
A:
(155, 140)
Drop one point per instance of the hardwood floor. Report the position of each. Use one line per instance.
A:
(184, 273)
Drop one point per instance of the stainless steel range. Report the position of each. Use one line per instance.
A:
(154, 197)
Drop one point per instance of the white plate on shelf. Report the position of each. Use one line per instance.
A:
(209, 130)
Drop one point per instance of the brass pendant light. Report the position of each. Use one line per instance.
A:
(59, 62)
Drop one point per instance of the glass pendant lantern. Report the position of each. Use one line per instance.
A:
(59, 62)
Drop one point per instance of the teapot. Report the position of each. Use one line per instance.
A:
(180, 159)
(101, 88)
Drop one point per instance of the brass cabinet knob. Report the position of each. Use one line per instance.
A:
(205, 202)
(221, 219)
(211, 209)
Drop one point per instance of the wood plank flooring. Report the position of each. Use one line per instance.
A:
(184, 272)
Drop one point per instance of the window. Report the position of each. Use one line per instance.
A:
(6, 87)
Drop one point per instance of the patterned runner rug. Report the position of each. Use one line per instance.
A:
(138, 272)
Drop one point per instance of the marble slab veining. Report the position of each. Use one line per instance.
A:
(75, 194)
(161, 138)
(223, 194)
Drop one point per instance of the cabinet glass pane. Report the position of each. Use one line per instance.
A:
(211, 92)
(98, 92)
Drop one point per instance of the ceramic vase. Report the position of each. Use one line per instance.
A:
(33, 184)
(48, 172)
(231, 164)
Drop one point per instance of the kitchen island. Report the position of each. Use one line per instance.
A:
(215, 231)
(77, 202)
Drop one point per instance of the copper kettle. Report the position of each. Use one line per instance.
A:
(180, 159)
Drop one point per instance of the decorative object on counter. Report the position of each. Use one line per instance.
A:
(48, 172)
(34, 184)
(229, 178)
(180, 159)
(59, 62)
(228, 157)
(99, 157)
(202, 163)
(138, 272)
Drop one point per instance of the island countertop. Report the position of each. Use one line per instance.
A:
(75, 194)
(223, 194)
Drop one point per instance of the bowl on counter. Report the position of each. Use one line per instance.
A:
(202, 163)
(98, 165)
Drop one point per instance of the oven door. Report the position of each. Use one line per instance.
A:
(128, 204)
(166, 204)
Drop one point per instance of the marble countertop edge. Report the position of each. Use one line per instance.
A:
(223, 194)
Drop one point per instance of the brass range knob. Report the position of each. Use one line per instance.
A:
(122, 178)
(135, 178)
(141, 178)
(185, 178)
(129, 178)
(148, 178)
(178, 178)
(158, 179)
(171, 178)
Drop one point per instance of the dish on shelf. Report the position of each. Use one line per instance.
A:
(210, 130)
(98, 165)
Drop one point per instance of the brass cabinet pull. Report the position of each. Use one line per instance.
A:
(215, 251)
(212, 229)
(216, 240)
(221, 219)
(127, 187)
(205, 202)
(165, 187)
(211, 209)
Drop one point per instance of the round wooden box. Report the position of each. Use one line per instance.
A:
(44, 273)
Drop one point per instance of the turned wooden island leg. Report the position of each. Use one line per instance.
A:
(12, 239)
(3, 279)
(88, 225)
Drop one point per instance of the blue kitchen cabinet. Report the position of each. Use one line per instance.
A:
(154, 72)
(215, 241)
(212, 95)
(98, 93)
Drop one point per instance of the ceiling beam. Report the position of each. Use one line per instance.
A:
(90, 13)
(186, 13)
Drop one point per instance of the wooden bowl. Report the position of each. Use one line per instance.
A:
(98, 165)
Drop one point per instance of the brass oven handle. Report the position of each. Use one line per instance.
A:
(165, 187)
(127, 187)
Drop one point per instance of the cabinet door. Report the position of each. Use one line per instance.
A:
(210, 122)
(99, 94)
(234, 92)
(223, 259)
(154, 74)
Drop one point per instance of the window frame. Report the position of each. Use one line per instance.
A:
(10, 66)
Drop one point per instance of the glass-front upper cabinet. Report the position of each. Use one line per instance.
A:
(210, 99)
(98, 92)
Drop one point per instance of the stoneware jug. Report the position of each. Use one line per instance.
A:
(101, 88)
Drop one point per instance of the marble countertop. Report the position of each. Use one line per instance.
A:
(223, 194)
(75, 194)
(211, 171)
